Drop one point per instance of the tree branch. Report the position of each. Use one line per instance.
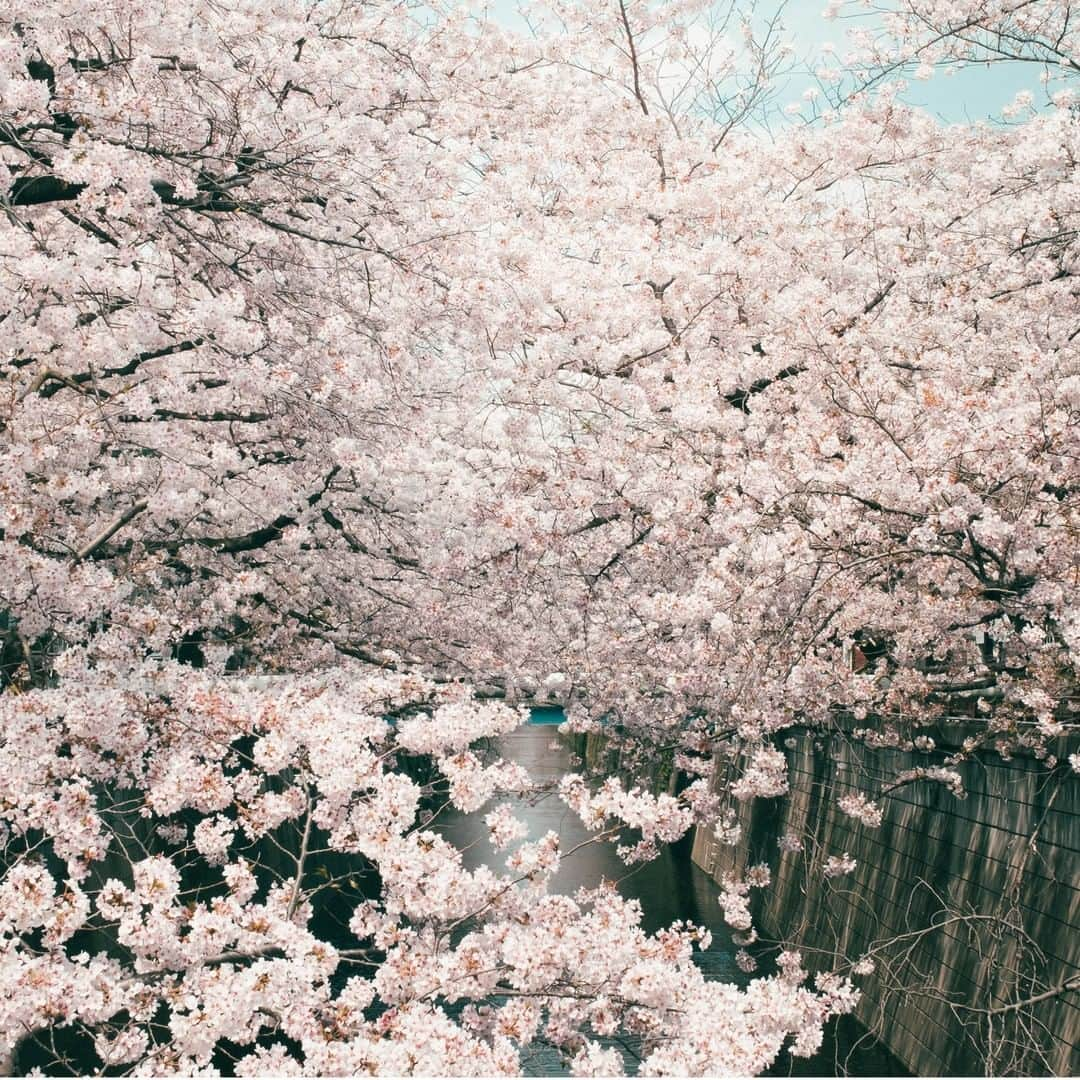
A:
(89, 548)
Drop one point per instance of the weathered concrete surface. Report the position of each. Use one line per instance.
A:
(996, 874)
(600, 758)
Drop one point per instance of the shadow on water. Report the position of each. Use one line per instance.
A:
(669, 888)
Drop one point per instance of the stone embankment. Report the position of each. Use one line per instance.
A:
(969, 907)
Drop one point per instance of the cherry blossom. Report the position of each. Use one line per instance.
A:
(838, 865)
(861, 808)
(368, 371)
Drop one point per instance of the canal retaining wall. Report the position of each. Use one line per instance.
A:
(600, 756)
(969, 907)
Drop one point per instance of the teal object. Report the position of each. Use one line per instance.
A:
(546, 714)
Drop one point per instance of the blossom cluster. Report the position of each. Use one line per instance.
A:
(659, 818)
(838, 865)
(858, 806)
(360, 372)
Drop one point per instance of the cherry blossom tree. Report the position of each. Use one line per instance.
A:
(256, 271)
(918, 37)
(853, 509)
(823, 458)
(365, 364)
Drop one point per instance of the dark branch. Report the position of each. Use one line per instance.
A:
(740, 398)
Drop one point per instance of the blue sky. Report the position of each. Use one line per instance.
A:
(976, 92)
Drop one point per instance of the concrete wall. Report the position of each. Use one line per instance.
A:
(998, 874)
(598, 758)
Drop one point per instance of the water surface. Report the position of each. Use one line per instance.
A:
(670, 888)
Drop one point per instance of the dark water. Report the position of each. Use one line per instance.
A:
(669, 888)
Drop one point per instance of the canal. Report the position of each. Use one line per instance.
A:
(669, 888)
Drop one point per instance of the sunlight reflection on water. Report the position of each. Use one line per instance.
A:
(669, 888)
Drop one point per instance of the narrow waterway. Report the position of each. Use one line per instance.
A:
(669, 888)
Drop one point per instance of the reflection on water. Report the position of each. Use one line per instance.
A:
(669, 888)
